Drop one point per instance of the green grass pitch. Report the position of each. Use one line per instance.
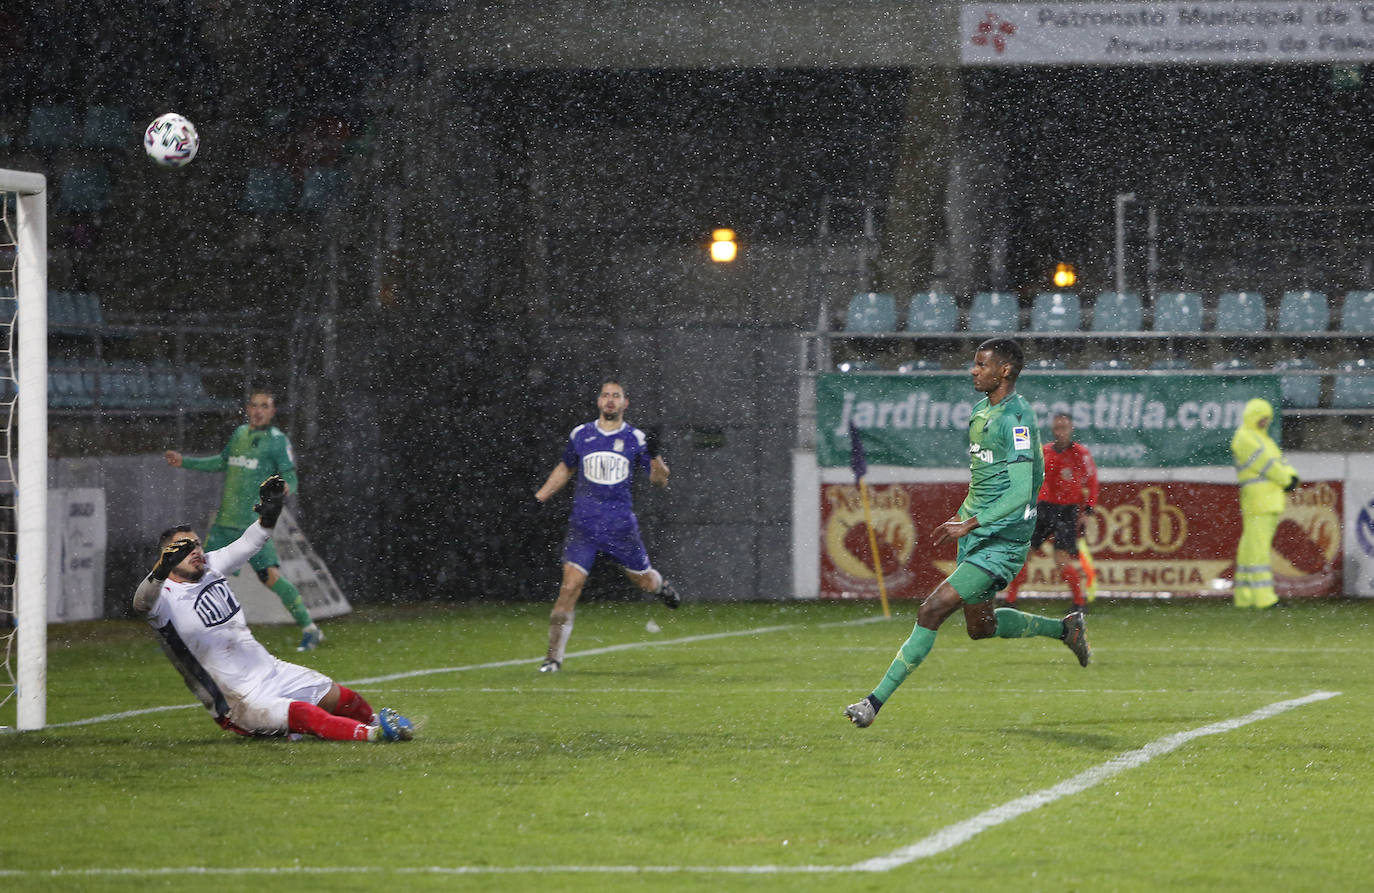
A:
(713, 755)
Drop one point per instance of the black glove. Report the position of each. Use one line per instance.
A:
(173, 553)
(651, 443)
(1292, 485)
(271, 495)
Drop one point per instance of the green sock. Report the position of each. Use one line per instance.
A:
(291, 600)
(909, 656)
(1014, 624)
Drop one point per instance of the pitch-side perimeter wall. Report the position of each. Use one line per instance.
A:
(1158, 532)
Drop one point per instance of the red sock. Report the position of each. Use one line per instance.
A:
(1014, 589)
(312, 720)
(1071, 577)
(352, 705)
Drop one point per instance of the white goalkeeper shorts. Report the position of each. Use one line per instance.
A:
(264, 709)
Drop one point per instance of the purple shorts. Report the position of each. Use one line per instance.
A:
(622, 546)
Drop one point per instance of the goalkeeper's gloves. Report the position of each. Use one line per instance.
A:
(271, 495)
(173, 553)
(1293, 483)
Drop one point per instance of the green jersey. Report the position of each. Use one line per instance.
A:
(999, 435)
(251, 456)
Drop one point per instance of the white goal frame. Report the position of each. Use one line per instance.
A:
(31, 469)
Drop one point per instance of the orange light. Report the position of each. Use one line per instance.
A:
(723, 246)
(1064, 275)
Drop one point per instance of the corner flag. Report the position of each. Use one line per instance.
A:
(859, 462)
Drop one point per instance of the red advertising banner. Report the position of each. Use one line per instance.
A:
(1175, 538)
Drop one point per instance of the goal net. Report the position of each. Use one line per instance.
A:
(24, 448)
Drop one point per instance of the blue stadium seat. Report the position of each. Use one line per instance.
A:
(61, 311)
(324, 187)
(1117, 312)
(52, 126)
(87, 309)
(267, 190)
(1178, 311)
(1299, 391)
(1304, 311)
(1354, 387)
(994, 311)
(1240, 311)
(83, 188)
(1056, 312)
(108, 127)
(871, 312)
(66, 389)
(932, 311)
(1357, 315)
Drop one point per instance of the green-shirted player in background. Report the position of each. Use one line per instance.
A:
(255, 451)
(993, 527)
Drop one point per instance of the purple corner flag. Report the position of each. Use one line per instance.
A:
(857, 460)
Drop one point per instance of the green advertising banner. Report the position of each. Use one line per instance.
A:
(1141, 421)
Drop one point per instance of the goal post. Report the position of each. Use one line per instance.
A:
(27, 235)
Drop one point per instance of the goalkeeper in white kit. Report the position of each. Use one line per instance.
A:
(201, 627)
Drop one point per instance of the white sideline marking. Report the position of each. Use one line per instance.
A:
(945, 839)
(953, 835)
(410, 674)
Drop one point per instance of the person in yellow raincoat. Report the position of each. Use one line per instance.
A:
(1264, 479)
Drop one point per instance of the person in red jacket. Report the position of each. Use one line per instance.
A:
(1070, 482)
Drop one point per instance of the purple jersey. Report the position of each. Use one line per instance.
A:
(604, 463)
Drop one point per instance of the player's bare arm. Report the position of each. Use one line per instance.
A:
(954, 528)
(557, 480)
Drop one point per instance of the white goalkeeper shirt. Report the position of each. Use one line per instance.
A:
(203, 631)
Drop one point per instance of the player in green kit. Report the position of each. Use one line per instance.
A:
(255, 451)
(993, 528)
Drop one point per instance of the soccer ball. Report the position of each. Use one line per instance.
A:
(171, 140)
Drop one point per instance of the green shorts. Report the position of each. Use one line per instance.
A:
(986, 565)
(221, 536)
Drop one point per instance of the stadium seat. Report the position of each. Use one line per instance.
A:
(62, 315)
(83, 188)
(871, 312)
(51, 126)
(932, 311)
(66, 389)
(267, 190)
(108, 127)
(1301, 391)
(1117, 312)
(324, 187)
(1240, 311)
(994, 311)
(1178, 311)
(1056, 312)
(1357, 314)
(86, 307)
(1303, 311)
(1354, 386)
